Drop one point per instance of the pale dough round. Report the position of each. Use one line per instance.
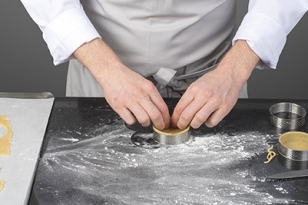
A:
(295, 140)
(1, 185)
(5, 140)
(171, 131)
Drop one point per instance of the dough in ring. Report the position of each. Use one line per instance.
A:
(171, 131)
(295, 140)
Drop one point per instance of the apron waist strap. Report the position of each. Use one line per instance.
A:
(167, 77)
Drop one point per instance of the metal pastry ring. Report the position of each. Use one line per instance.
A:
(171, 136)
(294, 146)
(287, 115)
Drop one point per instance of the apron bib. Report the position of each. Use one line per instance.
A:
(172, 42)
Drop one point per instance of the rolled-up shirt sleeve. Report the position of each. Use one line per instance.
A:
(64, 25)
(266, 25)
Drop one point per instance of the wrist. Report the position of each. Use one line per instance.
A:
(240, 61)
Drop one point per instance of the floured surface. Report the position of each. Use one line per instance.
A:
(28, 119)
(106, 168)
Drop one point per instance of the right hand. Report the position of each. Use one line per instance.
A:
(129, 94)
(134, 98)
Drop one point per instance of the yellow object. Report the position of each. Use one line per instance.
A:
(1, 183)
(271, 154)
(295, 140)
(171, 131)
(5, 140)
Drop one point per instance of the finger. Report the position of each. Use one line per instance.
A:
(157, 109)
(214, 119)
(154, 114)
(127, 116)
(180, 107)
(218, 115)
(206, 111)
(140, 114)
(159, 114)
(189, 113)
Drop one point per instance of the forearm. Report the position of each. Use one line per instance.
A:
(239, 62)
(98, 57)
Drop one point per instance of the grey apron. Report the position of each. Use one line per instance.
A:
(170, 42)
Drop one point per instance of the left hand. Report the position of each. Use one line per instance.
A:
(210, 98)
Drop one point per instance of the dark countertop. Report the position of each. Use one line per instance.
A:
(88, 158)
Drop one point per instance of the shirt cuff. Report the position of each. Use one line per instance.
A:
(67, 32)
(265, 36)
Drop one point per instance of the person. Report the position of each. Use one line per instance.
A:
(136, 52)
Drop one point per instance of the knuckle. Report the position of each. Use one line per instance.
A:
(226, 107)
(197, 121)
(186, 116)
(207, 93)
(210, 123)
(164, 109)
(116, 103)
(148, 85)
(178, 109)
(217, 100)
(194, 88)
(155, 116)
(144, 121)
(199, 118)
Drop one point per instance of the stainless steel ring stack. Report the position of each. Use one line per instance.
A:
(294, 119)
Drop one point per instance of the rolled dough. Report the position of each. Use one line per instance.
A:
(1, 183)
(5, 140)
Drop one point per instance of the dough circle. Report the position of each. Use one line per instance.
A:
(295, 140)
(1, 185)
(5, 140)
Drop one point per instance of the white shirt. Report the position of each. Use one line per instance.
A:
(66, 26)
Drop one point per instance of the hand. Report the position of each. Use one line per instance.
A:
(130, 95)
(134, 97)
(210, 98)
